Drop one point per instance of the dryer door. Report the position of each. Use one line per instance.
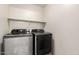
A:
(44, 43)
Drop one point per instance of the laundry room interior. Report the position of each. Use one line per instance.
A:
(39, 29)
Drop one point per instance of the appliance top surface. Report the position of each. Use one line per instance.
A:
(18, 35)
(45, 33)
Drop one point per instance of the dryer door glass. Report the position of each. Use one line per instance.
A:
(44, 44)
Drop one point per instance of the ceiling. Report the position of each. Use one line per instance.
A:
(25, 5)
(41, 5)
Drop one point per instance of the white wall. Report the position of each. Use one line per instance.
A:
(26, 12)
(3, 21)
(63, 22)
